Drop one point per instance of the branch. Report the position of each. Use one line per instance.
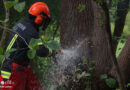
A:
(3, 38)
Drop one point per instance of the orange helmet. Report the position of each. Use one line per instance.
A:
(40, 10)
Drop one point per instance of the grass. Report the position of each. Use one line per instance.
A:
(126, 32)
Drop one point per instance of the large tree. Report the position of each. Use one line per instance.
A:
(90, 24)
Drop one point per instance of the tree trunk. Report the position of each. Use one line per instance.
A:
(122, 10)
(124, 63)
(93, 24)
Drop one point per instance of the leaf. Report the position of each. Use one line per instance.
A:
(91, 69)
(115, 1)
(104, 76)
(10, 4)
(20, 6)
(2, 21)
(128, 85)
(7, 53)
(1, 58)
(53, 45)
(34, 42)
(6, 20)
(111, 82)
(1, 51)
(83, 74)
(88, 74)
(45, 38)
(117, 89)
(16, 1)
(31, 53)
(85, 60)
(36, 47)
(81, 7)
(92, 64)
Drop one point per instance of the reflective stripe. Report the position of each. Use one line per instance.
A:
(5, 72)
(40, 43)
(50, 51)
(6, 77)
(12, 42)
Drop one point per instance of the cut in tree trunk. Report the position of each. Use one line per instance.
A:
(122, 10)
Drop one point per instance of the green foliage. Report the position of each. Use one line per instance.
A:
(121, 43)
(1, 51)
(19, 6)
(81, 7)
(1, 55)
(100, 19)
(34, 45)
(54, 45)
(115, 1)
(16, 1)
(104, 76)
(128, 85)
(86, 74)
(5, 54)
(10, 4)
(92, 64)
(100, 2)
(111, 82)
(31, 53)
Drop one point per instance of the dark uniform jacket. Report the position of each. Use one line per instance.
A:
(24, 32)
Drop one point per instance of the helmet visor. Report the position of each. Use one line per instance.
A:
(46, 21)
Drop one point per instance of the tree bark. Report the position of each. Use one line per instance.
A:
(122, 10)
(4, 35)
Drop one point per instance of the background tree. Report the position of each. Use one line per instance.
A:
(124, 63)
(122, 10)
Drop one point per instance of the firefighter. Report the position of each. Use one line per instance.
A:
(16, 73)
